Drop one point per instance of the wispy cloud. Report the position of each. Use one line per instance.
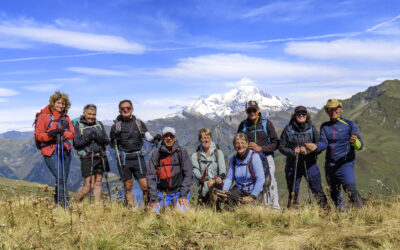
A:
(283, 10)
(50, 57)
(44, 87)
(73, 39)
(7, 92)
(97, 71)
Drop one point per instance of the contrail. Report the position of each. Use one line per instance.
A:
(53, 57)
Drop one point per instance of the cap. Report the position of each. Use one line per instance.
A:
(300, 108)
(167, 130)
(252, 104)
(332, 103)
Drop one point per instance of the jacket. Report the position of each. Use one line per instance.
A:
(294, 135)
(175, 176)
(335, 138)
(41, 130)
(268, 143)
(81, 141)
(239, 171)
(214, 168)
(131, 134)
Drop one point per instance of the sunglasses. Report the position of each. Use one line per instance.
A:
(169, 135)
(332, 109)
(125, 108)
(249, 111)
(302, 113)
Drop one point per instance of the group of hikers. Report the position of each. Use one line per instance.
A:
(168, 176)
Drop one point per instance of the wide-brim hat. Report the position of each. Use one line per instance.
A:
(332, 103)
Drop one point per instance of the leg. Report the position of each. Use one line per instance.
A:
(98, 177)
(139, 172)
(64, 177)
(314, 181)
(143, 186)
(334, 187)
(83, 191)
(349, 185)
(273, 189)
(128, 184)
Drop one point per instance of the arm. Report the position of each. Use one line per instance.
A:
(102, 137)
(187, 174)
(229, 177)
(358, 144)
(270, 147)
(40, 129)
(316, 139)
(260, 177)
(151, 177)
(79, 140)
(284, 144)
(221, 164)
(196, 168)
(69, 134)
(323, 140)
(112, 136)
(240, 128)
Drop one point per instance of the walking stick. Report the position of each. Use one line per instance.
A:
(294, 179)
(118, 159)
(63, 170)
(308, 183)
(58, 168)
(91, 172)
(105, 173)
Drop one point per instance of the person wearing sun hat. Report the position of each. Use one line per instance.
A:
(341, 138)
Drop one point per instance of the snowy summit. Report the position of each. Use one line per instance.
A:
(234, 101)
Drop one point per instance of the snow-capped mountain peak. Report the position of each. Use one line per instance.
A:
(234, 101)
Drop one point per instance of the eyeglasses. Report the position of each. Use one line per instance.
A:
(169, 135)
(302, 113)
(125, 108)
(332, 109)
(249, 111)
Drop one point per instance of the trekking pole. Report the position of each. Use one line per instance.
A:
(91, 172)
(294, 179)
(58, 168)
(105, 173)
(119, 164)
(63, 170)
(308, 183)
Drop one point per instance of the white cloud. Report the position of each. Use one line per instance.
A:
(44, 87)
(50, 57)
(7, 92)
(78, 40)
(98, 72)
(347, 49)
(239, 66)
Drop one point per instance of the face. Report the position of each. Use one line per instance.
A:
(241, 146)
(334, 113)
(301, 116)
(205, 140)
(59, 105)
(252, 113)
(168, 139)
(90, 115)
(126, 109)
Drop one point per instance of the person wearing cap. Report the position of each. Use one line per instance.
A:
(170, 172)
(341, 138)
(263, 140)
(299, 131)
(128, 134)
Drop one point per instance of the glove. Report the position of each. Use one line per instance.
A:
(157, 139)
(64, 125)
(55, 132)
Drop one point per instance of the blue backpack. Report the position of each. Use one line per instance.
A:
(291, 133)
(264, 127)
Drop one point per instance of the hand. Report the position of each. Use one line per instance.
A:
(55, 132)
(210, 183)
(247, 199)
(157, 139)
(303, 150)
(253, 146)
(64, 125)
(353, 138)
(218, 180)
(183, 203)
(311, 146)
(152, 206)
(296, 150)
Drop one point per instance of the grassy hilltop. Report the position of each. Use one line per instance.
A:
(32, 221)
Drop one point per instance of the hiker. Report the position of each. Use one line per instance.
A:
(90, 143)
(262, 139)
(170, 172)
(246, 169)
(208, 167)
(53, 129)
(299, 161)
(127, 135)
(340, 137)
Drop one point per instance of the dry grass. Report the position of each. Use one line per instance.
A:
(32, 221)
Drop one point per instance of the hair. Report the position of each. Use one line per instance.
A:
(241, 136)
(123, 101)
(206, 131)
(89, 106)
(57, 96)
(294, 116)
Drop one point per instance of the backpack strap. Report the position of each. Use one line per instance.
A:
(244, 129)
(249, 165)
(292, 132)
(264, 121)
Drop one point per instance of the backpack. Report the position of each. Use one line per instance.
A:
(82, 128)
(164, 168)
(215, 155)
(264, 125)
(264, 161)
(138, 124)
(249, 165)
(40, 144)
(291, 133)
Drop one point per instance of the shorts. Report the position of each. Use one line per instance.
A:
(97, 166)
(132, 168)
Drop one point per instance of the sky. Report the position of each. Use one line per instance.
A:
(164, 55)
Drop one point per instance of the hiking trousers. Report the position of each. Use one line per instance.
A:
(271, 198)
(314, 181)
(51, 163)
(342, 175)
(171, 199)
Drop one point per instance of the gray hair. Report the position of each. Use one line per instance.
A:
(241, 136)
(89, 106)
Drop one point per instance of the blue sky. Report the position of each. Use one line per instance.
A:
(165, 54)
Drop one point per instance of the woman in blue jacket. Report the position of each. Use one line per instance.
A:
(341, 138)
(246, 169)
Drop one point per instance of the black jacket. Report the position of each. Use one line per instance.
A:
(130, 137)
